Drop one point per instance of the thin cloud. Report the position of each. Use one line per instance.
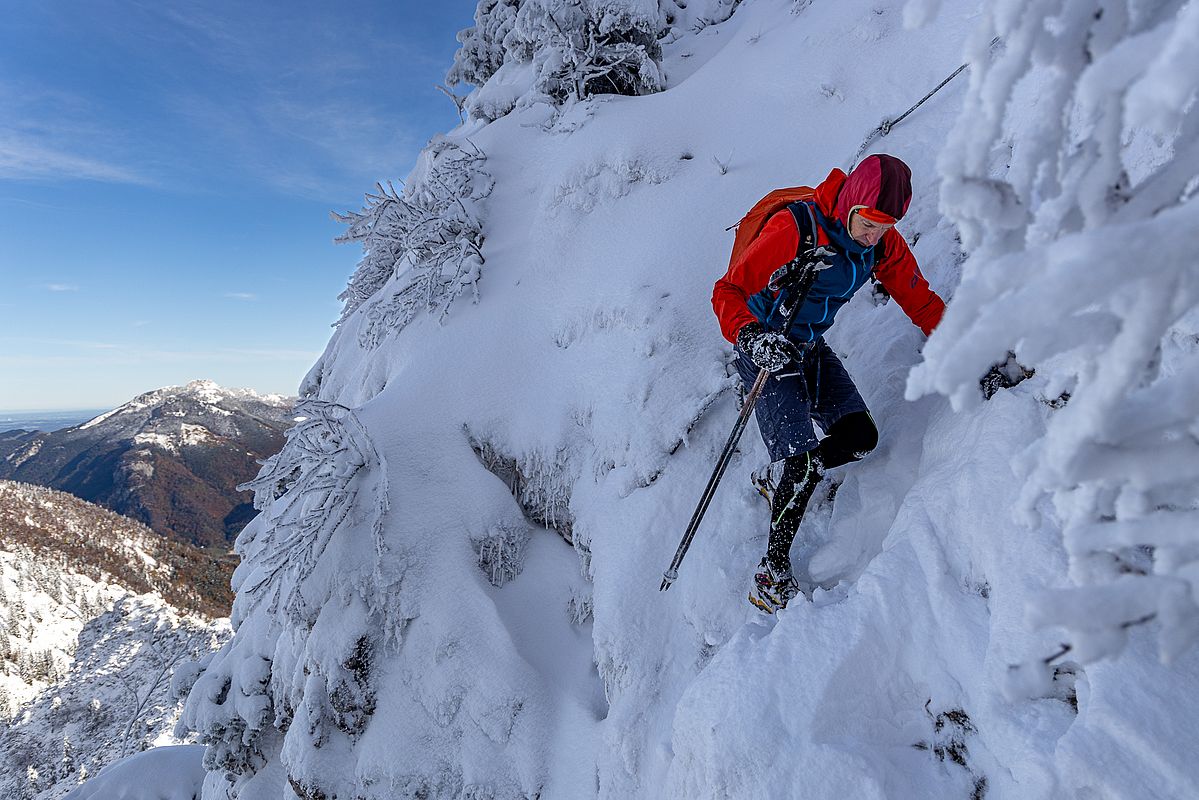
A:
(22, 158)
(62, 287)
(284, 102)
(277, 354)
(241, 296)
(49, 133)
(23, 342)
(308, 117)
(122, 355)
(33, 203)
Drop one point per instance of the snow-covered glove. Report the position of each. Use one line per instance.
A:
(770, 351)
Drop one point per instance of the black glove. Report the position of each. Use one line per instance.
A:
(770, 351)
(798, 273)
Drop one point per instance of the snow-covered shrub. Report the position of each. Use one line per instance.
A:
(305, 492)
(299, 676)
(557, 51)
(482, 51)
(422, 246)
(502, 552)
(1082, 236)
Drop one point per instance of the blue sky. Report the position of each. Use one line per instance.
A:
(167, 170)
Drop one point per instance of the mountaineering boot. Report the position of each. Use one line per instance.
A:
(765, 479)
(773, 588)
(764, 482)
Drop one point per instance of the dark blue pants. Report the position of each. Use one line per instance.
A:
(818, 389)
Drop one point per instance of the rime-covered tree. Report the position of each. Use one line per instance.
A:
(557, 51)
(1081, 236)
(248, 701)
(66, 764)
(422, 249)
(16, 618)
(426, 234)
(482, 46)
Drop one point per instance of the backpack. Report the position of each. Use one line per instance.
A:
(755, 219)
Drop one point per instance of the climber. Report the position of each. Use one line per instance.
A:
(854, 216)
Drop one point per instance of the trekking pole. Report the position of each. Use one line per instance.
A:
(809, 262)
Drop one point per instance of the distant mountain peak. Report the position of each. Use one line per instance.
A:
(171, 458)
(202, 391)
(211, 392)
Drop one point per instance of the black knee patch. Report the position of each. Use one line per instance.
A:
(849, 439)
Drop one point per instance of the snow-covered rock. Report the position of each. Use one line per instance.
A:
(173, 772)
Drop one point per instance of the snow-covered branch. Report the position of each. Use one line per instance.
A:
(520, 53)
(306, 491)
(1082, 235)
(422, 246)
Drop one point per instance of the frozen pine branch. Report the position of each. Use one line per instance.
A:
(455, 99)
(305, 493)
(422, 246)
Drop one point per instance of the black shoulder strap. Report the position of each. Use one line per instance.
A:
(805, 223)
(880, 251)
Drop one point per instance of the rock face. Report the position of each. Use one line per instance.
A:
(171, 458)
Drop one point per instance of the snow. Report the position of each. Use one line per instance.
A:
(161, 440)
(204, 391)
(106, 415)
(85, 661)
(565, 423)
(193, 434)
(29, 451)
(145, 469)
(187, 435)
(163, 773)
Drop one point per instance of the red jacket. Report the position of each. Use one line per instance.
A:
(777, 244)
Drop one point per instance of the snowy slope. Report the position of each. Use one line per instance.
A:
(557, 434)
(89, 640)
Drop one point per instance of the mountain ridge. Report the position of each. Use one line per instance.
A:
(171, 458)
(97, 611)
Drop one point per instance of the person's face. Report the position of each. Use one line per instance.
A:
(865, 232)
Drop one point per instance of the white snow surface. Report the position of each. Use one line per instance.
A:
(372, 656)
(174, 772)
(205, 391)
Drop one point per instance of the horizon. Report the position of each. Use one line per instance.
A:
(27, 411)
(117, 403)
(168, 174)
